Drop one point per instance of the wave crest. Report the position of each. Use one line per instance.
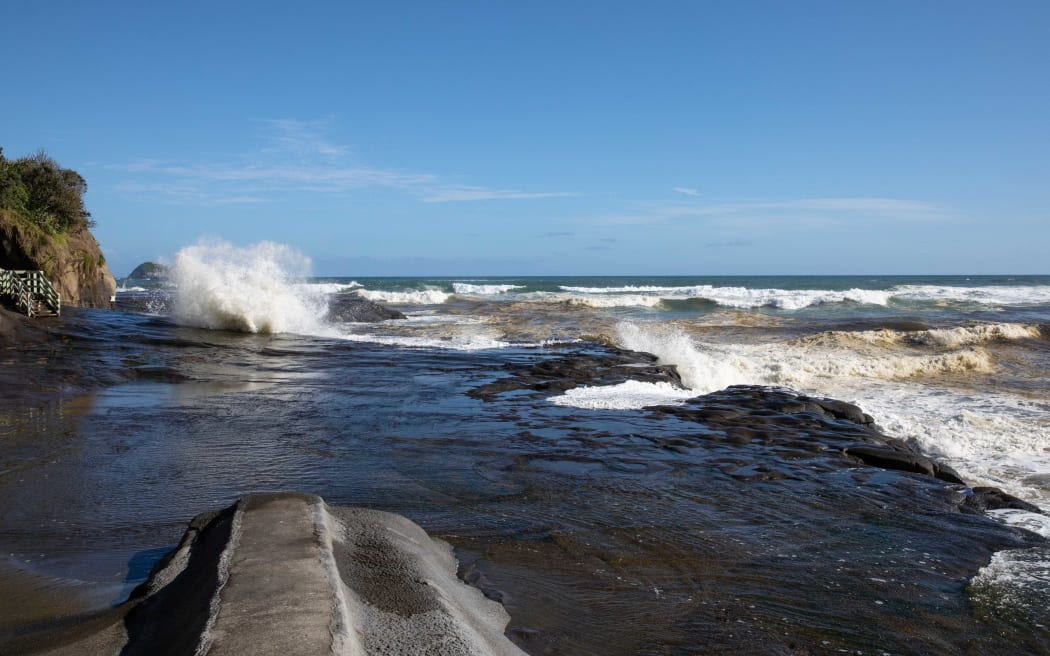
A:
(958, 337)
(251, 289)
(414, 297)
(732, 297)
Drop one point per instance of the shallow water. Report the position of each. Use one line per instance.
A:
(603, 526)
(602, 531)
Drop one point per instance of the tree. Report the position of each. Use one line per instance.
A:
(38, 189)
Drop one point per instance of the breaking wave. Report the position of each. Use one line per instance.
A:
(256, 289)
(708, 367)
(415, 297)
(733, 297)
(988, 295)
(937, 337)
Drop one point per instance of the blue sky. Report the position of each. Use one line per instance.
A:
(485, 138)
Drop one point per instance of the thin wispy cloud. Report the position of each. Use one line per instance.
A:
(552, 235)
(687, 191)
(301, 138)
(298, 158)
(803, 212)
(466, 194)
(185, 193)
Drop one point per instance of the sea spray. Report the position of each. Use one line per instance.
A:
(251, 289)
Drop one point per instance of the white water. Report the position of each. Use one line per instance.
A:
(735, 297)
(991, 438)
(629, 395)
(990, 295)
(796, 299)
(415, 297)
(256, 289)
(994, 438)
(483, 290)
(463, 342)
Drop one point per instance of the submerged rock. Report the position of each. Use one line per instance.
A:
(288, 574)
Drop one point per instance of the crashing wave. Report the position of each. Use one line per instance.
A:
(255, 289)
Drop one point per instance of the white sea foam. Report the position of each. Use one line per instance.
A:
(988, 295)
(483, 290)
(467, 342)
(1017, 578)
(680, 292)
(253, 289)
(991, 438)
(631, 300)
(734, 297)
(628, 395)
(793, 299)
(411, 297)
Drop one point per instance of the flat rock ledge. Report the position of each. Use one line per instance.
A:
(288, 574)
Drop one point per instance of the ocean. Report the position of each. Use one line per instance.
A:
(611, 513)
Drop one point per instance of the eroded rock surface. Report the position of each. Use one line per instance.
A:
(287, 574)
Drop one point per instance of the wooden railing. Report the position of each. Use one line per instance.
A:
(30, 291)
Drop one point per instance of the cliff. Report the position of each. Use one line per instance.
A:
(72, 261)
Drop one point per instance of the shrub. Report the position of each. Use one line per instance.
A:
(39, 190)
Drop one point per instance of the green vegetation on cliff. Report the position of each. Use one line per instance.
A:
(39, 192)
(44, 225)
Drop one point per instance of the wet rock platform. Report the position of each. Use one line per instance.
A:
(288, 574)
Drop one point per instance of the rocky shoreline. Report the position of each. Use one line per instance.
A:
(287, 574)
(793, 502)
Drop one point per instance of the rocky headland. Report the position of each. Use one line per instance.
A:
(74, 264)
(149, 271)
(44, 226)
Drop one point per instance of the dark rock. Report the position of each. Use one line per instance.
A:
(16, 328)
(889, 458)
(842, 410)
(992, 498)
(610, 366)
(352, 308)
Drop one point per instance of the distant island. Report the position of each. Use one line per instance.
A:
(149, 271)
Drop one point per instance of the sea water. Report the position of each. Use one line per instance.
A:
(238, 383)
